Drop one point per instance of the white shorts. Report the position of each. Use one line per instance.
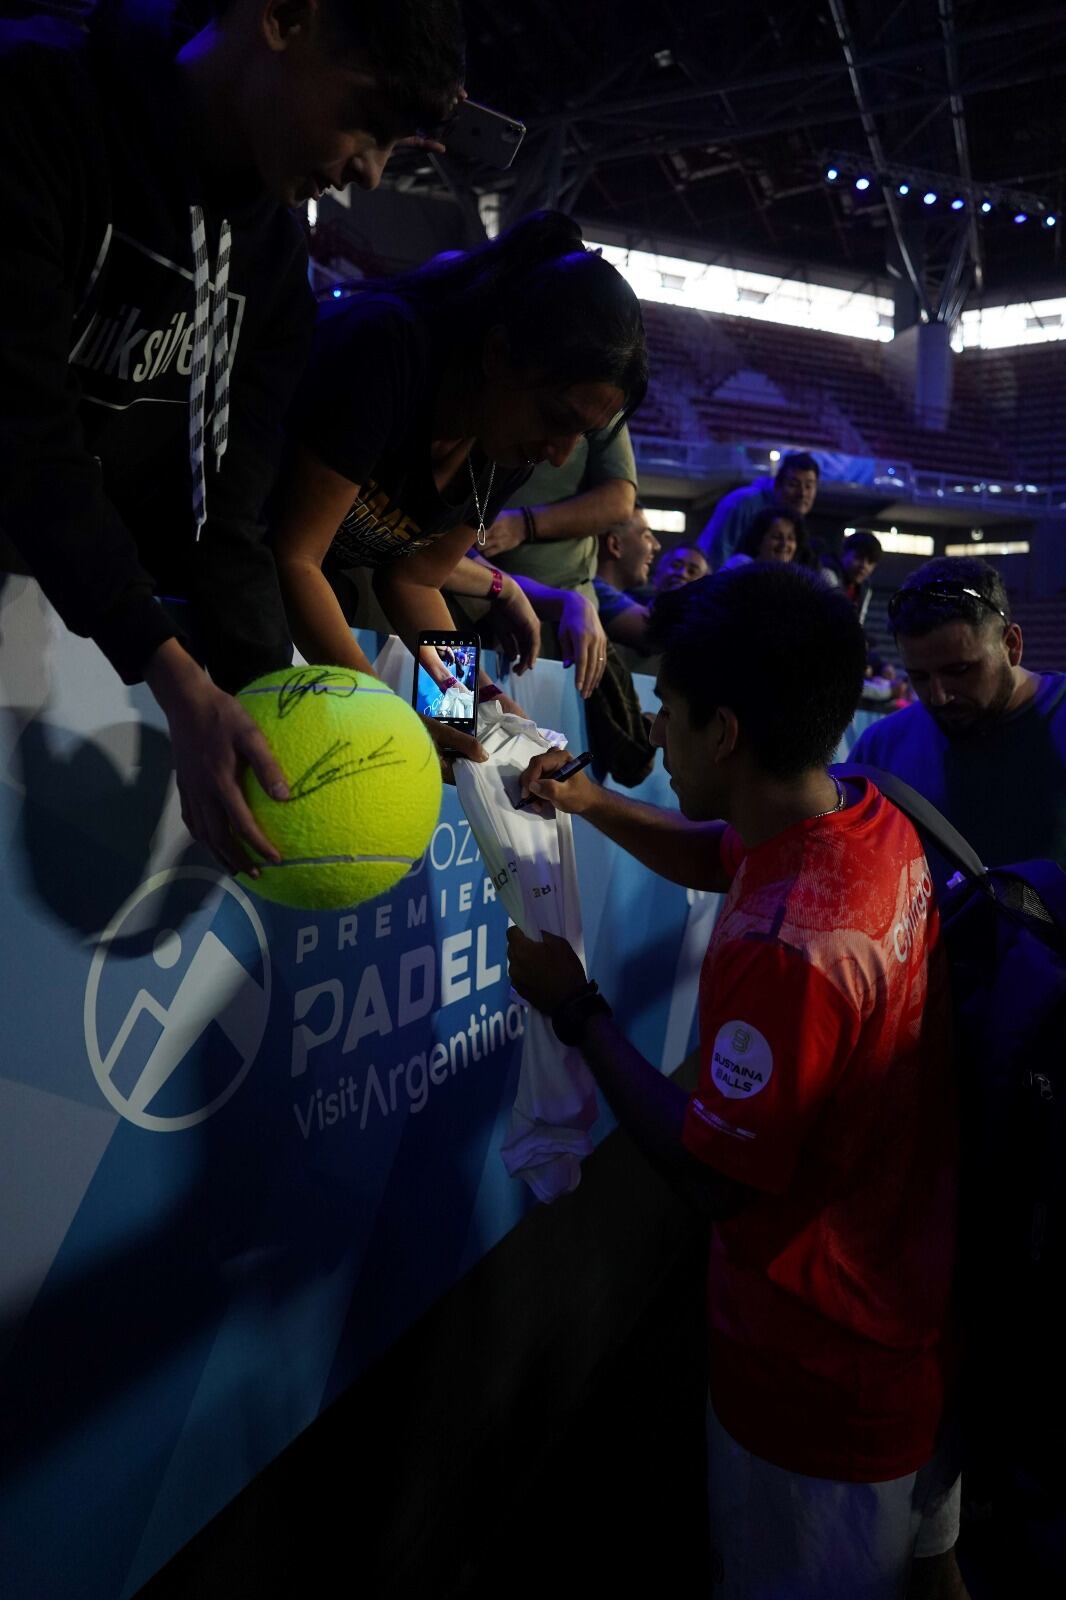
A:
(776, 1533)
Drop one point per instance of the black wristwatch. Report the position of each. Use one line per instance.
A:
(570, 1018)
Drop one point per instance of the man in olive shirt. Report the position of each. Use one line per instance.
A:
(549, 531)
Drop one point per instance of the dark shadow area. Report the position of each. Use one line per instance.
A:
(258, 1216)
(86, 832)
(153, 1297)
(539, 1431)
(1003, 1554)
(257, 1219)
(181, 900)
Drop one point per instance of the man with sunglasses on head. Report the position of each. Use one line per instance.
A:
(986, 740)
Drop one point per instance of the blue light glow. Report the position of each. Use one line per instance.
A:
(929, 197)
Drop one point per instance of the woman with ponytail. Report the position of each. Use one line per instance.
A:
(428, 400)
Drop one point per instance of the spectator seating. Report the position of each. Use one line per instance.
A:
(740, 378)
(1024, 389)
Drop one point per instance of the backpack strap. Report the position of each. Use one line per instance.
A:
(948, 840)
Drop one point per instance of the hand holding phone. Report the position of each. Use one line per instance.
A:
(447, 665)
(477, 133)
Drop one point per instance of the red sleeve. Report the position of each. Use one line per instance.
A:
(775, 1035)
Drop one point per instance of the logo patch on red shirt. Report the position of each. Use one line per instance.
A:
(742, 1062)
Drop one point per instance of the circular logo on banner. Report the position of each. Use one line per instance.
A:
(177, 999)
(742, 1062)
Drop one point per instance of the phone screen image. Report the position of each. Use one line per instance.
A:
(446, 675)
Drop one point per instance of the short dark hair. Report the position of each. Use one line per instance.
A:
(418, 47)
(565, 312)
(763, 521)
(863, 543)
(738, 638)
(798, 461)
(676, 550)
(916, 607)
(620, 525)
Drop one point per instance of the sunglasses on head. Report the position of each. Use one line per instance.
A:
(945, 590)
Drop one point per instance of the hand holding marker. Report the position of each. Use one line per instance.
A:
(577, 765)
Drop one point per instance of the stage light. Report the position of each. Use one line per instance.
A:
(1020, 216)
(337, 293)
(1049, 222)
(929, 197)
(904, 188)
(957, 204)
(986, 206)
(862, 183)
(832, 173)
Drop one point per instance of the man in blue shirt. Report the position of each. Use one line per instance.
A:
(626, 552)
(986, 740)
(794, 489)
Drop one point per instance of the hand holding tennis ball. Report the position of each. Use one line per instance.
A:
(364, 786)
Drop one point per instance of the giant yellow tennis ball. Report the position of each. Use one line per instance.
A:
(364, 784)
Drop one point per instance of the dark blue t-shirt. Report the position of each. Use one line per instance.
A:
(1004, 788)
(612, 602)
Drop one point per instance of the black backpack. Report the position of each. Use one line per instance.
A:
(1005, 934)
(618, 735)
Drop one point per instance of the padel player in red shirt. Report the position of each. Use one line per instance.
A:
(822, 1135)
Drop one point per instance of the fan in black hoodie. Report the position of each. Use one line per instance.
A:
(155, 315)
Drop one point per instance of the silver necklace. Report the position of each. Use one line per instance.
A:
(477, 501)
(839, 805)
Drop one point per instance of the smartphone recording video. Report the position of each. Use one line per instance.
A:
(477, 133)
(446, 678)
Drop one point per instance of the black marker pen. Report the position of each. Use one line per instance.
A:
(564, 772)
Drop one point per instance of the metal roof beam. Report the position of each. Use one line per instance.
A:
(873, 140)
(806, 70)
(956, 105)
